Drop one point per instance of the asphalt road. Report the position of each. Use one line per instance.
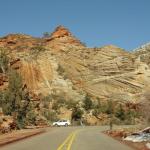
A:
(69, 138)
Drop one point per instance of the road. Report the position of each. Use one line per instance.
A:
(69, 138)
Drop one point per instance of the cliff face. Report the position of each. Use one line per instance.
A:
(143, 53)
(68, 64)
(106, 71)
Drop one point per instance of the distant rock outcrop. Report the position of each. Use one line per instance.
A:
(143, 53)
(62, 39)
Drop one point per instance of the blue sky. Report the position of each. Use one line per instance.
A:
(125, 23)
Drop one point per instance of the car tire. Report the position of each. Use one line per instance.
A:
(66, 125)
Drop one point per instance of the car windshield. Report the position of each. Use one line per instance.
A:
(62, 121)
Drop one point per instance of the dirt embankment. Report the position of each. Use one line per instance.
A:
(122, 133)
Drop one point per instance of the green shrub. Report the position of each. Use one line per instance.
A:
(77, 113)
(46, 34)
(31, 117)
(15, 100)
(46, 101)
(37, 50)
(50, 115)
(120, 113)
(88, 104)
(71, 104)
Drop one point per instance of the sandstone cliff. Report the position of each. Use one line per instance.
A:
(101, 72)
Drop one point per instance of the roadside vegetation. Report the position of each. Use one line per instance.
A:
(15, 100)
(27, 110)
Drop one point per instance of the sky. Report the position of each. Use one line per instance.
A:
(124, 23)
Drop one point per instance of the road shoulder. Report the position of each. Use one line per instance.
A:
(19, 135)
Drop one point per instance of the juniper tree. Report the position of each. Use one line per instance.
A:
(15, 100)
(88, 104)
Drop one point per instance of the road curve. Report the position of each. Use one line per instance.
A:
(69, 138)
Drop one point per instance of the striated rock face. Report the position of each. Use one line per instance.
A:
(106, 72)
(143, 53)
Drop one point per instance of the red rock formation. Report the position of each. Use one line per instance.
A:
(62, 35)
(60, 31)
(19, 42)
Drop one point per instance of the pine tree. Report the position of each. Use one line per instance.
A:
(110, 107)
(13, 95)
(120, 113)
(16, 101)
(88, 104)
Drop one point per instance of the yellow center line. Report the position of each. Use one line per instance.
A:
(71, 141)
(65, 142)
(66, 145)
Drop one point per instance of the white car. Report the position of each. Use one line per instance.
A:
(62, 123)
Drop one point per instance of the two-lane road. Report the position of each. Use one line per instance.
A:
(69, 138)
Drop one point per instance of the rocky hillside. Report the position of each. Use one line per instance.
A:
(143, 53)
(68, 65)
